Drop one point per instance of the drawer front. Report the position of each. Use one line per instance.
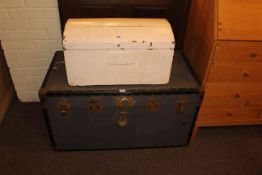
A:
(121, 121)
(223, 71)
(239, 20)
(235, 95)
(215, 116)
(238, 52)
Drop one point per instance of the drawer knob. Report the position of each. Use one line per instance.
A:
(94, 106)
(229, 114)
(122, 120)
(245, 75)
(246, 103)
(253, 55)
(237, 95)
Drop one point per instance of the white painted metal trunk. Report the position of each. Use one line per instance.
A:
(111, 51)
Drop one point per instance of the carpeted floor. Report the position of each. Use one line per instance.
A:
(25, 149)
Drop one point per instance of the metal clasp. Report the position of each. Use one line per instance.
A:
(181, 104)
(152, 105)
(64, 106)
(124, 102)
(94, 106)
(122, 120)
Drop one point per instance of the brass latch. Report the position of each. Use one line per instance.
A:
(122, 120)
(94, 106)
(152, 105)
(64, 106)
(124, 102)
(181, 104)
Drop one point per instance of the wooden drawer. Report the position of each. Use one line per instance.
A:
(235, 95)
(225, 71)
(212, 116)
(238, 52)
(231, 104)
(239, 20)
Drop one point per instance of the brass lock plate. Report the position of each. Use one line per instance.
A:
(181, 104)
(152, 105)
(124, 102)
(94, 105)
(64, 106)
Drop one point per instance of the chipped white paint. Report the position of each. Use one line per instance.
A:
(118, 51)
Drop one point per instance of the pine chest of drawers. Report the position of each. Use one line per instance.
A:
(126, 116)
(223, 43)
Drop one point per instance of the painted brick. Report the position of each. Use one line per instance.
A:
(40, 3)
(8, 45)
(48, 44)
(35, 53)
(28, 97)
(4, 14)
(26, 88)
(31, 34)
(26, 13)
(11, 3)
(12, 57)
(12, 63)
(51, 13)
(22, 72)
(11, 54)
(27, 63)
(44, 24)
(20, 24)
(54, 34)
(7, 35)
(6, 25)
(28, 84)
(37, 80)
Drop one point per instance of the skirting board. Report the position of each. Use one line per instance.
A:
(4, 104)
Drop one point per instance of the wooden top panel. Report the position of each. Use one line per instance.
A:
(181, 81)
(240, 20)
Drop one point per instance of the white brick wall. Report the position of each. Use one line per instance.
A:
(30, 34)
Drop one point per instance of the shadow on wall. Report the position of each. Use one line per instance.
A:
(6, 85)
